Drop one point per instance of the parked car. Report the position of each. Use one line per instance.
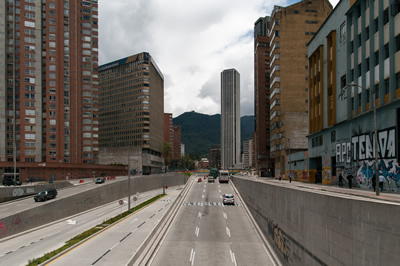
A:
(11, 182)
(228, 199)
(46, 194)
(100, 180)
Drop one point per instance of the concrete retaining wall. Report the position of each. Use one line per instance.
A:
(15, 192)
(57, 209)
(311, 228)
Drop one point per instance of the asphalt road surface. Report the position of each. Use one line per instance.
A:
(18, 250)
(205, 232)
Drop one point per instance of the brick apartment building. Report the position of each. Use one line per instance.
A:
(262, 146)
(290, 30)
(172, 135)
(49, 101)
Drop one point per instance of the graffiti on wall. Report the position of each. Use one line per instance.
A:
(357, 156)
(365, 171)
(361, 147)
(278, 237)
(3, 229)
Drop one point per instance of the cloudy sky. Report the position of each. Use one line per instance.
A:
(192, 42)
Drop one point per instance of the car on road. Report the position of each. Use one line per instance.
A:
(199, 180)
(11, 182)
(228, 199)
(46, 194)
(210, 179)
(100, 180)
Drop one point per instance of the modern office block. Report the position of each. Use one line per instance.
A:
(131, 113)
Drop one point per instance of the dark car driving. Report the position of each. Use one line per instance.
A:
(100, 180)
(46, 194)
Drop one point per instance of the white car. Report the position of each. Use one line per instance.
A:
(228, 199)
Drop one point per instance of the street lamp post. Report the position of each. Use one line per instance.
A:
(290, 171)
(129, 181)
(353, 84)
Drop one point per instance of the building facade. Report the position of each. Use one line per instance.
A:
(172, 135)
(262, 146)
(177, 141)
(248, 160)
(291, 28)
(49, 97)
(354, 68)
(131, 113)
(214, 157)
(168, 131)
(230, 118)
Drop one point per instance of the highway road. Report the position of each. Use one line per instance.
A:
(205, 232)
(17, 250)
(118, 244)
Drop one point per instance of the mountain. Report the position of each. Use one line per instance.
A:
(201, 132)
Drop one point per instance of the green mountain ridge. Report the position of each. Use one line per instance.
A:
(201, 132)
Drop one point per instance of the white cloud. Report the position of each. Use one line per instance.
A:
(192, 41)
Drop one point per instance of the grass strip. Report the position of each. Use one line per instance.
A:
(90, 232)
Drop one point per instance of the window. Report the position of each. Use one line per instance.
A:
(398, 42)
(386, 51)
(367, 33)
(342, 37)
(343, 81)
(333, 136)
(376, 24)
(387, 86)
(376, 58)
(385, 16)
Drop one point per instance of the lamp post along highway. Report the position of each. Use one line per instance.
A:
(353, 84)
(129, 181)
(290, 171)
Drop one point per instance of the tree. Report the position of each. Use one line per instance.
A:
(167, 153)
(187, 163)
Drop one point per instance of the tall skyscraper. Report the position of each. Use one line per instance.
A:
(49, 97)
(132, 113)
(230, 118)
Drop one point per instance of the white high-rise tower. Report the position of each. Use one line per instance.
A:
(230, 118)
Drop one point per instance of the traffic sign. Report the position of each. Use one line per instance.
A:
(121, 202)
(134, 198)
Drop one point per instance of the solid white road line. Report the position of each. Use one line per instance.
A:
(228, 232)
(192, 254)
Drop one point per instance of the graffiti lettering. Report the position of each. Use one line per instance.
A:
(362, 147)
(30, 190)
(18, 192)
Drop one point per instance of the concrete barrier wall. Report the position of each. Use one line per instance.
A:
(311, 228)
(57, 209)
(15, 192)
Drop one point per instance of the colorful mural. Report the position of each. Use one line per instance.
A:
(390, 169)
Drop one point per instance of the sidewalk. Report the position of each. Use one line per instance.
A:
(356, 191)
